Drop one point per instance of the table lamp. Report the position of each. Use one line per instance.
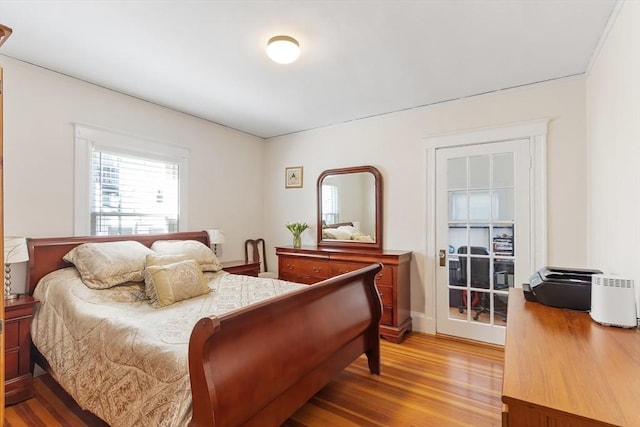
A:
(216, 237)
(15, 250)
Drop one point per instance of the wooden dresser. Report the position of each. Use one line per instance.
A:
(562, 369)
(311, 264)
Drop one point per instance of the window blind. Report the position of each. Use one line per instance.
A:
(133, 194)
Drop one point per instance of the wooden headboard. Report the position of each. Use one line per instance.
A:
(45, 254)
(339, 224)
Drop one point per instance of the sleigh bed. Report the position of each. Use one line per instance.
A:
(254, 365)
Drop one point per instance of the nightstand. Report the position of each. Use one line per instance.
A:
(18, 376)
(241, 267)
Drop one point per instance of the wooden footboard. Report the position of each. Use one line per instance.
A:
(258, 365)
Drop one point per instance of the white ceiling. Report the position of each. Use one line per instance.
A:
(359, 58)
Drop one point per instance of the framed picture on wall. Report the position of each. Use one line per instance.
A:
(293, 177)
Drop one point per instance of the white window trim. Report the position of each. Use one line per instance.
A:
(86, 137)
(536, 132)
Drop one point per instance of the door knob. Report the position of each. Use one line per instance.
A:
(443, 258)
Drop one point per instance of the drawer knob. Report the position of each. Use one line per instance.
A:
(290, 267)
(378, 276)
(316, 269)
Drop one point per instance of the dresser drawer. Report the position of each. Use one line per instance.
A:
(304, 267)
(17, 378)
(384, 277)
(386, 295)
(387, 315)
(12, 335)
(305, 280)
(11, 364)
(344, 267)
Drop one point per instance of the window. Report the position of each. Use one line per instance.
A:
(330, 204)
(127, 185)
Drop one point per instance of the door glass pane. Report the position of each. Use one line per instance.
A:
(503, 173)
(458, 206)
(500, 301)
(478, 271)
(503, 204)
(479, 238)
(479, 206)
(479, 171)
(503, 274)
(457, 173)
(503, 240)
(457, 239)
(481, 309)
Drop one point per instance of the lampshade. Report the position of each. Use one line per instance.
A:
(216, 236)
(15, 250)
(283, 49)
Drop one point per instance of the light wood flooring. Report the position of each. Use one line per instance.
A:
(425, 381)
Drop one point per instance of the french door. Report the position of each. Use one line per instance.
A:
(482, 216)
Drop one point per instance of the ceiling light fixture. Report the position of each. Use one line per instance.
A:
(5, 32)
(283, 49)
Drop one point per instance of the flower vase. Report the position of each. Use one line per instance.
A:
(297, 241)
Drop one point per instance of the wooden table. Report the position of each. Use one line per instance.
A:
(242, 267)
(563, 369)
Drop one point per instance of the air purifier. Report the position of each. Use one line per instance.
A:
(613, 301)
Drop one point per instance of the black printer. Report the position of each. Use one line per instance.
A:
(561, 287)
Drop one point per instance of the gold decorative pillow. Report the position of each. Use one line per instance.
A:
(192, 249)
(155, 259)
(103, 265)
(159, 260)
(170, 283)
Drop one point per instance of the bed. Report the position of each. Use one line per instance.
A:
(345, 231)
(254, 365)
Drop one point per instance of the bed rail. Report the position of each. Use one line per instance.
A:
(258, 365)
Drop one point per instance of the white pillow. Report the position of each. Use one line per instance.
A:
(103, 265)
(192, 249)
(155, 259)
(336, 233)
(348, 229)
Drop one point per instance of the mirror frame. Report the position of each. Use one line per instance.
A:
(329, 243)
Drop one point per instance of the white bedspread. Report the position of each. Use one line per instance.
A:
(122, 359)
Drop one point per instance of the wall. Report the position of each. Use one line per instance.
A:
(227, 167)
(395, 144)
(613, 91)
(40, 108)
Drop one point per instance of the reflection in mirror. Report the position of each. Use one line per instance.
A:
(350, 207)
(349, 197)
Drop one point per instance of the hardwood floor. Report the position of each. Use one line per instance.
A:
(425, 381)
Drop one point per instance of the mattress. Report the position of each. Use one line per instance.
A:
(122, 359)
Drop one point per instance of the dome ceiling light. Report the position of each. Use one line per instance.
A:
(283, 49)
(5, 32)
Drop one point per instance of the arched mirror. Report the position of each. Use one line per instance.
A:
(350, 208)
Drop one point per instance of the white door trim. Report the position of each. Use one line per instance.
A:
(536, 132)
